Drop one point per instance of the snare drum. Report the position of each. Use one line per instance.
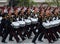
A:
(15, 24)
(21, 23)
(34, 20)
(27, 21)
(0, 19)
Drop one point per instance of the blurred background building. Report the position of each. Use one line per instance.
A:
(3, 2)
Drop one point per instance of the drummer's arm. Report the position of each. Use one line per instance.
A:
(39, 16)
(26, 16)
(14, 18)
(31, 15)
(19, 17)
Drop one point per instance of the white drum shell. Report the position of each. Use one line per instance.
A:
(0, 19)
(50, 24)
(34, 20)
(21, 23)
(28, 22)
(15, 24)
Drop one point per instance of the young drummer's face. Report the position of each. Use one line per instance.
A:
(22, 11)
(28, 10)
(36, 9)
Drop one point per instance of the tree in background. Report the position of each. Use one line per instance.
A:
(53, 2)
(12, 2)
(25, 2)
(21, 2)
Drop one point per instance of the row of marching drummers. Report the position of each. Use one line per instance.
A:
(24, 23)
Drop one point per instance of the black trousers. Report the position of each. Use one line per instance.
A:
(35, 37)
(55, 30)
(32, 28)
(40, 33)
(9, 30)
(1, 30)
(20, 32)
(50, 35)
(58, 30)
(27, 31)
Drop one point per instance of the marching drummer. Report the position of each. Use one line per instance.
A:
(20, 15)
(10, 13)
(34, 27)
(28, 27)
(48, 17)
(41, 30)
(6, 22)
(56, 15)
(34, 15)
